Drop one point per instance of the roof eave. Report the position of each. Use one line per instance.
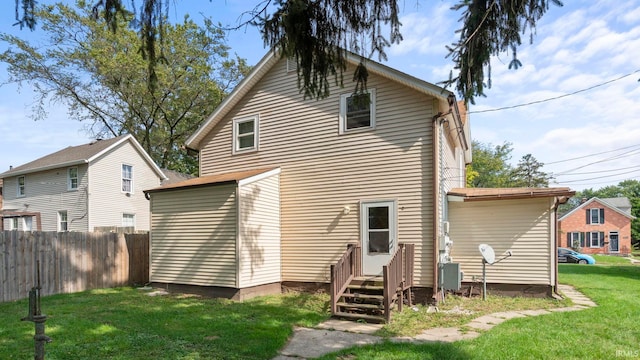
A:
(12, 173)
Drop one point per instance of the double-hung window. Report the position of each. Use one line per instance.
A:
(129, 220)
(63, 223)
(246, 133)
(21, 186)
(357, 111)
(127, 178)
(595, 216)
(595, 239)
(575, 240)
(72, 178)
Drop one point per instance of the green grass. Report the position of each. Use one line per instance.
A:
(611, 260)
(127, 324)
(607, 331)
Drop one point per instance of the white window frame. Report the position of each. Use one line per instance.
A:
(70, 179)
(575, 237)
(123, 179)
(14, 223)
(63, 218)
(591, 237)
(343, 113)
(130, 216)
(21, 189)
(597, 210)
(236, 134)
(27, 223)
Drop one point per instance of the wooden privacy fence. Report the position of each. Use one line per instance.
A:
(70, 261)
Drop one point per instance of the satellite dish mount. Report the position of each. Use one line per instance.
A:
(488, 257)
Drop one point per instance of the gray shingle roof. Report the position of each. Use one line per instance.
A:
(65, 157)
(621, 203)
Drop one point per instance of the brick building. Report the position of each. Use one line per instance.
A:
(598, 226)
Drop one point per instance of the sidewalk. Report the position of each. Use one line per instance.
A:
(333, 335)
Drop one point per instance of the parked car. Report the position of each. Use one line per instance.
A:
(569, 256)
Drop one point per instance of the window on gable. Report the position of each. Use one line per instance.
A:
(595, 216)
(127, 178)
(72, 178)
(245, 134)
(21, 186)
(357, 111)
(63, 224)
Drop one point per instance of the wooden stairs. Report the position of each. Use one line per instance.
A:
(363, 300)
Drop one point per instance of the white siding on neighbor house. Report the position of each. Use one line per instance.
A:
(46, 192)
(323, 172)
(193, 241)
(107, 202)
(259, 235)
(523, 226)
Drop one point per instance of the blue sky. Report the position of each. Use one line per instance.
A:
(589, 135)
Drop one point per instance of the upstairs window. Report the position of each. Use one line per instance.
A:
(72, 178)
(245, 134)
(357, 111)
(595, 216)
(127, 178)
(21, 186)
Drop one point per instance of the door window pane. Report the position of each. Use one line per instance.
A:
(379, 217)
(379, 242)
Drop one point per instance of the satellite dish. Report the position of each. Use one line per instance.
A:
(488, 254)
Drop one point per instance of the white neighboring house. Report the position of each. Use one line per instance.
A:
(82, 187)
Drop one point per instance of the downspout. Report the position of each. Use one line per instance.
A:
(556, 204)
(436, 200)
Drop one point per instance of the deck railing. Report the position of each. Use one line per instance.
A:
(398, 278)
(348, 267)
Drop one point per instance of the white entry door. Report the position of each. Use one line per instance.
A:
(378, 234)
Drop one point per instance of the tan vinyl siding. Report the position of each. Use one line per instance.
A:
(193, 241)
(522, 226)
(46, 192)
(259, 240)
(107, 201)
(322, 171)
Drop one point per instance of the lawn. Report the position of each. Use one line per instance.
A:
(128, 324)
(609, 331)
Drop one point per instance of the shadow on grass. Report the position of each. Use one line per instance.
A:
(405, 351)
(128, 324)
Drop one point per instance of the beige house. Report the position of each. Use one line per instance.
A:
(520, 220)
(288, 183)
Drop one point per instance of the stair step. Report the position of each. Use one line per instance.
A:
(365, 317)
(365, 287)
(363, 296)
(360, 306)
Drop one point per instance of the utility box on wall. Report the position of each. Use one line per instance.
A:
(450, 276)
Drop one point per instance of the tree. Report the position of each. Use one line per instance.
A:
(315, 32)
(97, 74)
(490, 167)
(528, 173)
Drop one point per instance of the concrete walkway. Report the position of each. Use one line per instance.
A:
(334, 335)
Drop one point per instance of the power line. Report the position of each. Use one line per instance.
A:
(553, 98)
(598, 177)
(589, 155)
(600, 171)
(625, 154)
